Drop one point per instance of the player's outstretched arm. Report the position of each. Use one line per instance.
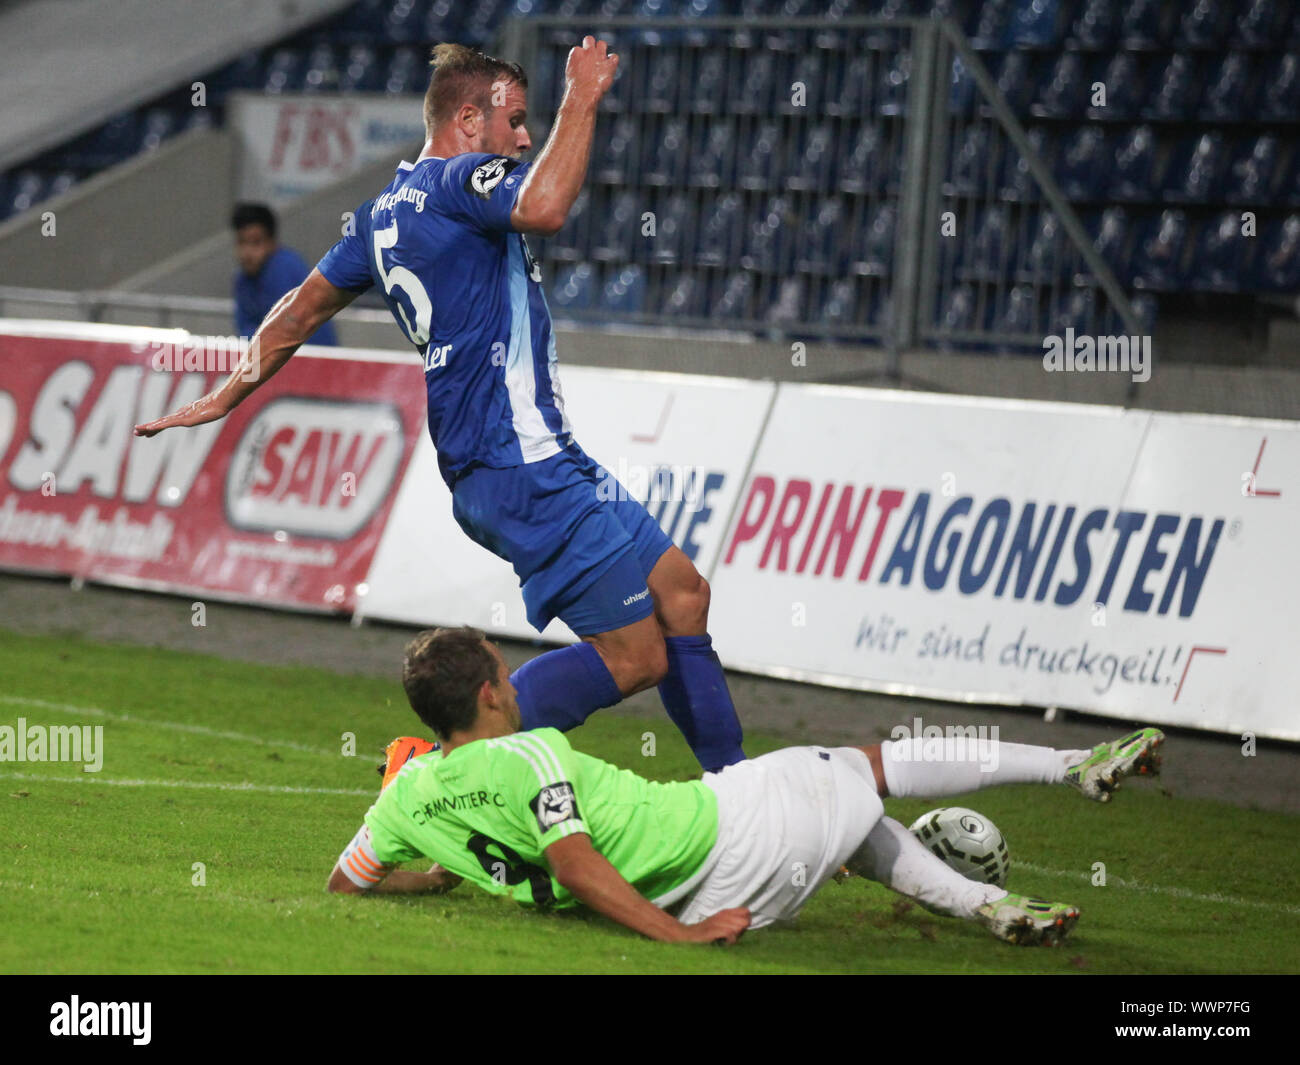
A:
(555, 179)
(436, 881)
(297, 315)
(593, 881)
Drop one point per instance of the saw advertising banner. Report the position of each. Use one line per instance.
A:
(1118, 561)
(280, 502)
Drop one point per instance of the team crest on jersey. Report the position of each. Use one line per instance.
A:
(487, 176)
(554, 805)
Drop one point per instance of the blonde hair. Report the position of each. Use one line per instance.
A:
(464, 75)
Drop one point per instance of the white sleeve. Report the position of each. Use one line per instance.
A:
(359, 863)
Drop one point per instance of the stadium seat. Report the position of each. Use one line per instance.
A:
(844, 304)
(244, 72)
(735, 299)
(27, 188)
(1017, 182)
(617, 161)
(156, 125)
(625, 291)
(1084, 164)
(961, 89)
(1147, 25)
(1195, 169)
(1109, 230)
(616, 227)
(970, 161)
(689, 295)
(1050, 254)
(667, 159)
(361, 70)
(1037, 23)
(808, 73)
(817, 248)
(1016, 82)
(720, 234)
(1287, 190)
(873, 165)
(712, 159)
(988, 253)
(1227, 91)
(991, 26)
(891, 92)
(575, 288)
(1159, 252)
(706, 91)
(1278, 262)
(321, 73)
(1125, 89)
(663, 81)
(1095, 27)
(1221, 260)
(407, 71)
(849, 86)
(790, 304)
(957, 312)
(1255, 176)
(769, 242)
(1175, 89)
(1134, 166)
(60, 182)
(758, 166)
(573, 241)
(1279, 99)
(814, 168)
(1064, 94)
(1018, 313)
(284, 72)
(1204, 24)
(875, 257)
(1261, 24)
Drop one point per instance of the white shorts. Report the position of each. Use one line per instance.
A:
(787, 822)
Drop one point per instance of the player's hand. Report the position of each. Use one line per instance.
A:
(723, 928)
(206, 409)
(590, 70)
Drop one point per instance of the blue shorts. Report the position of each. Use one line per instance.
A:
(580, 544)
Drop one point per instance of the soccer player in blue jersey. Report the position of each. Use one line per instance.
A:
(446, 246)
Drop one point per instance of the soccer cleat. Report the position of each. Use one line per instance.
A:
(1028, 922)
(399, 752)
(1101, 772)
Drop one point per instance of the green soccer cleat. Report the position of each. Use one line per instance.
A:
(1101, 772)
(1028, 922)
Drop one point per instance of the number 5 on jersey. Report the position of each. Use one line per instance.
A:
(400, 277)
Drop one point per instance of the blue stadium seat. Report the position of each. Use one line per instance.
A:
(791, 302)
(707, 87)
(875, 257)
(1050, 254)
(404, 21)
(1017, 182)
(1074, 308)
(712, 158)
(574, 289)
(871, 165)
(573, 241)
(1109, 230)
(1096, 26)
(478, 29)
(408, 71)
(1018, 313)
(1221, 260)
(720, 235)
(814, 167)
(1125, 89)
(1261, 24)
(1147, 24)
(1064, 93)
(284, 71)
(1227, 91)
(970, 160)
(444, 20)
(1016, 81)
(60, 182)
(1278, 263)
(1204, 24)
(1279, 98)
(1159, 253)
(844, 304)
(617, 161)
(758, 168)
(1084, 165)
(735, 298)
(769, 243)
(26, 189)
(1037, 23)
(625, 291)
(106, 146)
(891, 92)
(361, 22)
(321, 70)
(987, 256)
(1287, 190)
(1255, 175)
(1134, 166)
(990, 27)
(961, 89)
(244, 72)
(361, 71)
(615, 228)
(667, 157)
(663, 80)
(1195, 169)
(1175, 89)
(808, 73)
(689, 295)
(817, 248)
(959, 310)
(156, 125)
(849, 86)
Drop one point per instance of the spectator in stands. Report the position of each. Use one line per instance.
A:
(267, 270)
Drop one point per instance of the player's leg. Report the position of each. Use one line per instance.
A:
(695, 692)
(953, 765)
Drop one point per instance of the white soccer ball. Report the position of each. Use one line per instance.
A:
(967, 841)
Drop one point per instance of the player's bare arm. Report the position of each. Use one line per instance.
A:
(593, 881)
(437, 881)
(297, 315)
(556, 177)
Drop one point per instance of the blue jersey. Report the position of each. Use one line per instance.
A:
(467, 293)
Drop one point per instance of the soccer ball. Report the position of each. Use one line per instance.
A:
(967, 841)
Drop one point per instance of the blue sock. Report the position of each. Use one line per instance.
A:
(696, 697)
(562, 688)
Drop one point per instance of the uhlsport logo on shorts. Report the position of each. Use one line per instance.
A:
(313, 467)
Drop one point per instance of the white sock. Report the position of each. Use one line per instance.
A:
(896, 858)
(926, 768)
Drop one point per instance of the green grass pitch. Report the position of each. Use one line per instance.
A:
(97, 871)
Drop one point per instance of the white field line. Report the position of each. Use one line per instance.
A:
(1160, 889)
(174, 726)
(206, 785)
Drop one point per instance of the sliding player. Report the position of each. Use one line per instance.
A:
(524, 814)
(445, 244)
